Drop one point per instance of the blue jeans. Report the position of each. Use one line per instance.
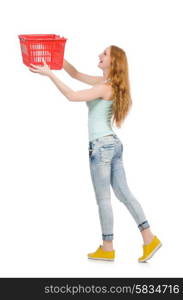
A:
(106, 167)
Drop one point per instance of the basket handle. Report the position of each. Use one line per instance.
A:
(21, 38)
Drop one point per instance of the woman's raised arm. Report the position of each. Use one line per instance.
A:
(74, 73)
(69, 68)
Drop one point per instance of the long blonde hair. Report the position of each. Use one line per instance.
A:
(119, 81)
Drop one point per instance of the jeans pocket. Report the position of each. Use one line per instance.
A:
(107, 152)
(107, 146)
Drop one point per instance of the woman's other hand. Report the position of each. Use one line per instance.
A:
(45, 70)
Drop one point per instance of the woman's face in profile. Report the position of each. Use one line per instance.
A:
(104, 59)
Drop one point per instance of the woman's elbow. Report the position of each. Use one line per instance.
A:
(72, 97)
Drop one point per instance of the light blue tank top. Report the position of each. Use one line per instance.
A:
(99, 118)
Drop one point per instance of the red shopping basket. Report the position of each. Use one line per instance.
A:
(35, 47)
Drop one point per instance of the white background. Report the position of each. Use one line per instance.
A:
(48, 214)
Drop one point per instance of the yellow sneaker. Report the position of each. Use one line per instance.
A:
(102, 255)
(150, 249)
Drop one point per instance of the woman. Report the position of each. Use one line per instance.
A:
(108, 97)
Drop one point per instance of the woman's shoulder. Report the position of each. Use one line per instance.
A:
(108, 94)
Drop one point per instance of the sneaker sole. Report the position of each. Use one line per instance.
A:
(108, 259)
(151, 254)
